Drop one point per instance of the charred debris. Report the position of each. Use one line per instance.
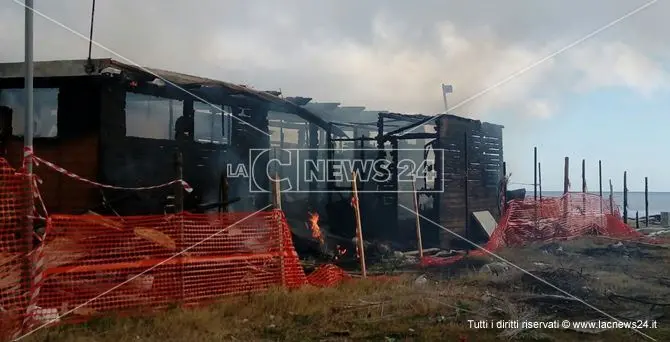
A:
(119, 124)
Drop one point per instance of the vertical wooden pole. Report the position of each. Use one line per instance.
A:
(359, 229)
(223, 192)
(504, 190)
(646, 202)
(611, 198)
(276, 202)
(583, 186)
(466, 181)
(179, 208)
(179, 188)
(418, 219)
(584, 175)
(535, 204)
(566, 175)
(637, 219)
(361, 157)
(625, 198)
(600, 184)
(276, 192)
(535, 173)
(566, 187)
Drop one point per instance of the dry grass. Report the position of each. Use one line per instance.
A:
(400, 310)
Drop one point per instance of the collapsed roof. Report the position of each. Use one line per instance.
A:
(209, 90)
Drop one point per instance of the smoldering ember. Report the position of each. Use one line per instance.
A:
(156, 193)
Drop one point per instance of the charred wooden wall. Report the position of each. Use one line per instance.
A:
(75, 148)
(60, 193)
(136, 162)
(473, 157)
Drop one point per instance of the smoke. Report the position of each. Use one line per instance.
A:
(385, 55)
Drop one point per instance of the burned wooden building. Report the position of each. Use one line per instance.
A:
(131, 126)
(458, 163)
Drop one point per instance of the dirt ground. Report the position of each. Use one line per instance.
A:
(597, 278)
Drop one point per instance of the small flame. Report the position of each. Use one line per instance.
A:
(314, 226)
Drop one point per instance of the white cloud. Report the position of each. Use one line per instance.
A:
(399, 77)
(617, 64)
(539, 108)
(335, 52)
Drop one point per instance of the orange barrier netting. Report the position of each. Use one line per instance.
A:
(569, 216)
(130, 264)
(14, 249)
(92, 265)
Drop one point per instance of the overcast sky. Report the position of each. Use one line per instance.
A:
(606, 98)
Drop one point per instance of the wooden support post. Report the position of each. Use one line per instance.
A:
(314, 143)
(646, 202)
(276, 201)
(223, 192)
(566, 187)
(179, 188)
(276, 192)
(637, 219)
(535, 173)
(611, 198)
(361, 158)
(600, 184)
(330, 155)
(359, 229)
(584, 175)
(466, 182)
(625, 198)
(418, 219)
(583, 186)
(503, 205)
(566, 175)
(179, 208)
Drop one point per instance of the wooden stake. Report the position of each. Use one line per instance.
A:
(179, 188)
(276, 192)
(584, 175)
(418, 219)
(646, 202)
(625, 198)
(566, 175)
(600, 184)
(359, 229)
(611, 198)
(276, 202)
(566, 186)
(535, 173)
(584, 186)
(637, 219)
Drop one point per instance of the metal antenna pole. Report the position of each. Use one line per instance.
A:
(28, 88)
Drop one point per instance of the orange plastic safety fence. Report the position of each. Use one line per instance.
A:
(14, 249)
(327, 275)
(90, 265)
(96, 265)
(560, 218)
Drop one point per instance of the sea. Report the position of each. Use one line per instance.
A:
(658, 201)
